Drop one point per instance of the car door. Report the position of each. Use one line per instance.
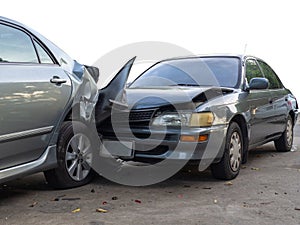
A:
(260, 108)
(278, 99)
(34, 92)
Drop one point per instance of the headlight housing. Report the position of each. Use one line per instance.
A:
(172, 119)
(201, 119)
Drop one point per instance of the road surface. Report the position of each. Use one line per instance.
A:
(267, 191)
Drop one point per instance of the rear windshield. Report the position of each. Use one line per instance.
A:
(207, 71)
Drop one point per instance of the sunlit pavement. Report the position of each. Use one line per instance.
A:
(267, 191)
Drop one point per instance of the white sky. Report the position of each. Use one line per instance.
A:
(88, 29)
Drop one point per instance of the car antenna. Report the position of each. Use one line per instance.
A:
(245, 48)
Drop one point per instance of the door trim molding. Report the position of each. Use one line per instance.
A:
(26, 133)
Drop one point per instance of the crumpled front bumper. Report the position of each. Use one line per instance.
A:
(170, 146)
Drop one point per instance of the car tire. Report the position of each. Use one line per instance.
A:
(229, 166)
(73, 157)
(285, 142)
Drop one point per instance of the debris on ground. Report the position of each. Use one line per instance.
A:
(215, 201)
(56, 199)
(207, 188)
(100, 210)
(76, 210)
(70, 199)
(228, 183)
(254, 168)
(33, 204)
(114, 198)
(104, 203)
(266, 203)
(245, 204)
(93, 190)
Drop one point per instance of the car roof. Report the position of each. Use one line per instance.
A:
(205, 56)
(242, 57)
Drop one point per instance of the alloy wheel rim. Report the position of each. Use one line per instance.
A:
(289, 132)
(235, 148)
(78, 157)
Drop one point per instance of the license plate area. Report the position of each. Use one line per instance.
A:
(118, 148)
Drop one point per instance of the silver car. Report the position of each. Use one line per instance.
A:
(43, 94)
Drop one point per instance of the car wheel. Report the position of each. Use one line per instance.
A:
(74, 152)
(229, 166)
(285, 142)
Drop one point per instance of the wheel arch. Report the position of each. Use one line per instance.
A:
(293, 115)
(70, 115)
(241, 121)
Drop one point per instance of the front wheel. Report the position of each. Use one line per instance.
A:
(229, 166)
(74, 152)
(285, 142)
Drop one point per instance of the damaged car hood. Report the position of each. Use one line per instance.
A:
(142, 98)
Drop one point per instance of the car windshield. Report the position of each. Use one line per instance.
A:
(204, 71)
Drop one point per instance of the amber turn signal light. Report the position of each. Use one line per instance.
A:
(192, 138)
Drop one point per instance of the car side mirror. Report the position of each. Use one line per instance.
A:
(258, 83)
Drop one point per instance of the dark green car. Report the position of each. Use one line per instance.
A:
(208, 109)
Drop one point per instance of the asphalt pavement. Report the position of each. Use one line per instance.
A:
(267, 191)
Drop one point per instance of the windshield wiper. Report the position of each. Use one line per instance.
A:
(187, 85)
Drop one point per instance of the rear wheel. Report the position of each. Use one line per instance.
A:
(285, 142)
(74, 152)
(229, 166)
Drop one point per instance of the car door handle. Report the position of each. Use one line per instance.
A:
(274, 99)
(57, 80)
(271, 100)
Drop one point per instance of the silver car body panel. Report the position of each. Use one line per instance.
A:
(32, 108)
(47, 161)
(24, 134)
(29, 101)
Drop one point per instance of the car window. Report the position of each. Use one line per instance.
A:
(252, 70)
(270, 75)
(202, 71)
(43, 55)
(16, 46)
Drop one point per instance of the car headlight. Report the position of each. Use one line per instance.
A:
(171, 119)
(202, 119)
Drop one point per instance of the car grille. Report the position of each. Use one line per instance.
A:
(141, 115)
(159, 150)
(134, 115)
